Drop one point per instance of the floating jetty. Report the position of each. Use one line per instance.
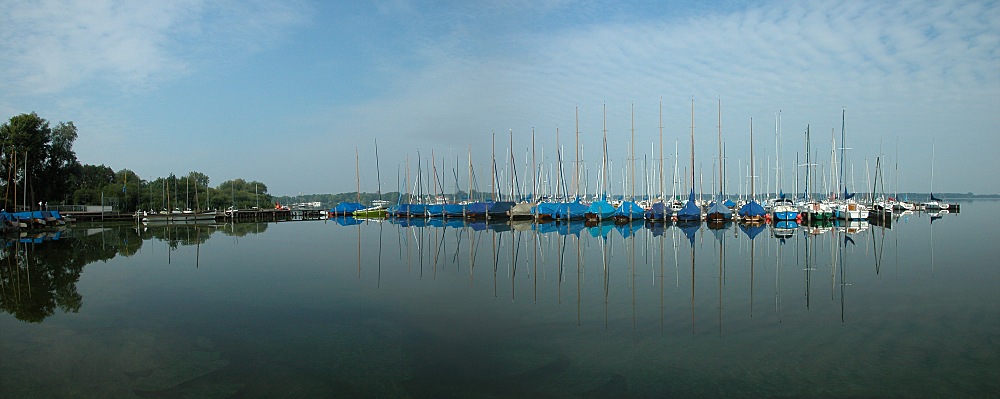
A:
(238, 215)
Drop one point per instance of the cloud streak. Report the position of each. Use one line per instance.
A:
(423, 76)
(896, 69)
(54, 46)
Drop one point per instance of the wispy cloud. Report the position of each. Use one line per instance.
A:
(895, 68)
(441, 75)
(51, 46)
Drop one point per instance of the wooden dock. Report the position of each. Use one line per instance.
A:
(240, 215)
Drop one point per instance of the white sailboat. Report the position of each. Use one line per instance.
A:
(935, 204)
(847, 208)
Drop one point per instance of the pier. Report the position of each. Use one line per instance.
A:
(239, 215)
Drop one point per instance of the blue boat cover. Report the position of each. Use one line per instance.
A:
(346, 208)
(658, 211)
(454, 210)
(435, 210)
(570, 210)
(602, 209)
(630, 209)
(690, 211)
(545, 208)
(482, 208)
(751, 209)
(718, 208)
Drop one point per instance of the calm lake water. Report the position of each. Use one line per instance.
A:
(328, 309)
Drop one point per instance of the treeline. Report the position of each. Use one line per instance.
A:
(945, 196)
(129, 192)
(40, 169)
(331, 200)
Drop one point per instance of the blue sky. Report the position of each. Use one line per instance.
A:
(283, 92)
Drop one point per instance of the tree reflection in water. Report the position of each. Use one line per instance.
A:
(39, 270)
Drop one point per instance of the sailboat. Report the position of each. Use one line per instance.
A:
(522, 209)
(575, 209)
(495, 208)
(935, 203)
(751, 212)
(783, 208)
(718, 211)
(659, 211)
(812, 209)
(629, 210)
(377, 210)
(690, 212)
(601, 209)
(847, 208)
(175, 216)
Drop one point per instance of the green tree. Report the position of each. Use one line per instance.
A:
(243, 194)
(89, 183)
(60, 165)
(37, 162)
(25, 140)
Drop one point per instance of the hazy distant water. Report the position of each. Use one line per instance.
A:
(318, 309)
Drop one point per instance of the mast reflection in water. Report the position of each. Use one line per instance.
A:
(449, 308)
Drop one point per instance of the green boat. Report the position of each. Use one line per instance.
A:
(815, 210)
(373, 212)
(377, 210)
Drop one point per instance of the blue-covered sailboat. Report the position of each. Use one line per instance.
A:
(690, 212)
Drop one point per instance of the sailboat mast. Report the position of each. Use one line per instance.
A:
(633, 153)
(720, 150)
(470, 174)
(752, 186)
(842, 186)
(559, 161)
(933, 153)
(513, 177)
(378, 174)
(433, 169)
(808, 164)
(493, 168)
(692, 145)
(357, 173)
(662, 186)
(896, 178)
(777, 155)
(576, 164)
(604, 160)
(534, 174)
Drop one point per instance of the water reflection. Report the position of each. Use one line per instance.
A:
(39, 270)
(432, 308)
(566, 248)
